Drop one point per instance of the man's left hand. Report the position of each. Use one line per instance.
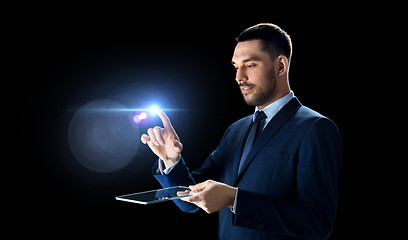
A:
(212, 196)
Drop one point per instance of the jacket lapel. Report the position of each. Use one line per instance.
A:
(270, 130)
(244, 134)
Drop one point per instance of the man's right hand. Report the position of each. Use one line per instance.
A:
(164, 142)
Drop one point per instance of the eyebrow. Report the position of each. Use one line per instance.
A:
(248, 60)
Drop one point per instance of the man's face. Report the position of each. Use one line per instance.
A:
(255, 73)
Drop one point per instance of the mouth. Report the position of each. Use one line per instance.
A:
(246, 89)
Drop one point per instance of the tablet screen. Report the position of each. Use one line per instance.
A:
(155, 196)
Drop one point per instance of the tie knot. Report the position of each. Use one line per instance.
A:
(260, 115)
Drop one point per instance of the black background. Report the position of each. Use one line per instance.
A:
(70, 57)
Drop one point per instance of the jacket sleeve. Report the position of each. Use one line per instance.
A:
(180, 175)
(313, 212)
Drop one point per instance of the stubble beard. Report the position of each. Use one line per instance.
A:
(257, 98)
(260, 96)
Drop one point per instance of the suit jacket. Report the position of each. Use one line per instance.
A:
(289, 185)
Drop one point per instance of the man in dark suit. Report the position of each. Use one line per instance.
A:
(275, 174)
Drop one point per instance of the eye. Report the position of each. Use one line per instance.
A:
(250, 65)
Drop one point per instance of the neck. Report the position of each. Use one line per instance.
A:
(275, 97)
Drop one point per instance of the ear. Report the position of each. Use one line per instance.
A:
(283, 65)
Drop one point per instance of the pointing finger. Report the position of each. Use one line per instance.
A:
(166, 121)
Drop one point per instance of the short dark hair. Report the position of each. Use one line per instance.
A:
(275, 40)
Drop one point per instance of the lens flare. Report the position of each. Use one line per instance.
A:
(154, 109)
(139, 117)
(103, 141)
(143, 115)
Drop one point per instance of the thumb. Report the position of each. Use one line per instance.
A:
(177, 145)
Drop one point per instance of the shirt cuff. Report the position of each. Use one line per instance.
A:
(162, 170)
(234, 208)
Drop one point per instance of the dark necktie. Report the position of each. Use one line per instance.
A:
(256, 129)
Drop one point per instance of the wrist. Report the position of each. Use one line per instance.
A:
(170, 162)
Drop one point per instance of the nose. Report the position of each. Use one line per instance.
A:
(241, 76)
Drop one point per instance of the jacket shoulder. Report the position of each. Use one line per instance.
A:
(240, 124)
(310, 117)
(242, 121)
(238, 127)
(309, 114)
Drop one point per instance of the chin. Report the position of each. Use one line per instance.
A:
(255, 100)
(250, 102)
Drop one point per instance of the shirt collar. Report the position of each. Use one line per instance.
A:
(272, 109)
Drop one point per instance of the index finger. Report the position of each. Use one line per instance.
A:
(198, 187)
(192, 199)
(165, 120)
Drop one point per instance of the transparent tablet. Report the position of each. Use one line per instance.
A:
(155, 196)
